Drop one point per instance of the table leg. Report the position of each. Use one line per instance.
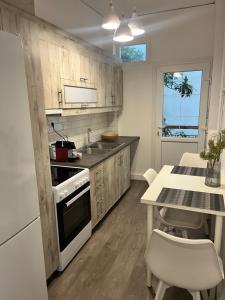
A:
(217, 242)
(218, 233)
(150, 217)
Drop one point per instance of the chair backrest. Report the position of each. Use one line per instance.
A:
(188, 264)
(150, 175)
(192, 160)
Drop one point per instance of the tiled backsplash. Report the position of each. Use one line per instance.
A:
(75, 127)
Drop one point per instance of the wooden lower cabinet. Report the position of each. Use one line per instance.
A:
(109, 181)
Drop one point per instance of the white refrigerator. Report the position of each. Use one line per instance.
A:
(22, 271)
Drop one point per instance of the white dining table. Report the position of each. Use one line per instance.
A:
(165, 179)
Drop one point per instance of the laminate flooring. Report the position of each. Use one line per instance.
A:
(111, 265)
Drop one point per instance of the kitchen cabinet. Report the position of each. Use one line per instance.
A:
(66, 62)
(109, 181)
(97, 194)
(50, 56)
(123, 171)
(118, 85)
(114, 85)
(109, 84)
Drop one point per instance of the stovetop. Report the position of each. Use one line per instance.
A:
(61, 174)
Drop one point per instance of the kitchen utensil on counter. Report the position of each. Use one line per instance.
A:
(61, 151)
(65, 151)
(109, 136)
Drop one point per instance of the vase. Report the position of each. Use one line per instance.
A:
(212, 178)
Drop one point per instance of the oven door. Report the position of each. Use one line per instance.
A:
(73, 214)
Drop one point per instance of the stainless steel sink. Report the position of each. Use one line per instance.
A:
(94, 151)
(105, 145)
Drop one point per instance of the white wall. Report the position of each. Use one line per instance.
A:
(217, 72)
(175, 37)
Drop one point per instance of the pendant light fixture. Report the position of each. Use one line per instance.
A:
(135, 24)
(123, 33)
(111, 21)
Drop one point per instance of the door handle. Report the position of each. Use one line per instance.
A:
(160, 128)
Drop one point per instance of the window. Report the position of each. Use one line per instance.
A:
(181, 107)
(133, 53)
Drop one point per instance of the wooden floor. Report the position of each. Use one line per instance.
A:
(111, 264)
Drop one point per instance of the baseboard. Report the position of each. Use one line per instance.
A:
(136, 176)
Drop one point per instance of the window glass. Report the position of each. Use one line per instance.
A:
(133, 53)
(182, 96)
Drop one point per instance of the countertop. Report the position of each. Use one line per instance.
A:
(90, 161)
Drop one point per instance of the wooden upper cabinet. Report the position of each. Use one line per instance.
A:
(64, 62)
(118, 85)
(51, 58)
(114, 85)
(100, 83)
(109, 84)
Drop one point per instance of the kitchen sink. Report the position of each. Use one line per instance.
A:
(105, 145)
(94, 151)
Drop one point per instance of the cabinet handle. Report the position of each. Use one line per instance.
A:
(60, 97)
(82, 79)
(113, 99)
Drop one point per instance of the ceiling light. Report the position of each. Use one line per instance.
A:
(135, 24)
(111, 21)
(123, 33)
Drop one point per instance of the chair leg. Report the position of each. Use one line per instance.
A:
(205, 295)
(195, 295)
(161, 289)
(212, 294)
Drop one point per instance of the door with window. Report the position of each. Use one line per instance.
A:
(182, 105)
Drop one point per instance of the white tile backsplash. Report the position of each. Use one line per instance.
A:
(75, 127)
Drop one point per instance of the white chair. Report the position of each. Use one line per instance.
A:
(189, 264)
(170, 218)
(192, 160)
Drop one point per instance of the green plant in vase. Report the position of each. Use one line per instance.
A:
(215, 148)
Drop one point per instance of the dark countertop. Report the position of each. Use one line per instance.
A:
(89, 161)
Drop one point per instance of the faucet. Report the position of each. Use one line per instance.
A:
(89, 131)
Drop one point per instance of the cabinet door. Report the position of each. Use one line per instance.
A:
(97, 194)
(123, 171)
(109, 84)
(118, 86)
(100, 80)
(50, 56)
(110, 184)
(85, 80)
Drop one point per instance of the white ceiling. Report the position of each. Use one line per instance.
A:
(143, 6)
(83, 18)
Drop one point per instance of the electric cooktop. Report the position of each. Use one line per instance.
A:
(61, 174)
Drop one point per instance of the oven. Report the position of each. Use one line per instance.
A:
(73, 214)
(71, 187)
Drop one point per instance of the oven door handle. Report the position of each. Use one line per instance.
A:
(78, 196)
